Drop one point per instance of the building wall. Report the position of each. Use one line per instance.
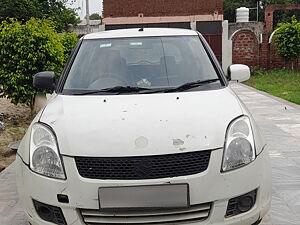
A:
(182, 25)
(256, 27)
(212, 32)
(251, 45)
(276, 61)
(159, 8)
(245, 48)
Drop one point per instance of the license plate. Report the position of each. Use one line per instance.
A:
(151, 196)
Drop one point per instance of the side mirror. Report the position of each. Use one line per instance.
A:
(44, 81)
(238, 72)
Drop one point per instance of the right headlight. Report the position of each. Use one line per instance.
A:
(44, 156)
(239, 145)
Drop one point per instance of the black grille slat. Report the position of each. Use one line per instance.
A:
(143, 167)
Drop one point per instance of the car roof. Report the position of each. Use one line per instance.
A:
(137, 32)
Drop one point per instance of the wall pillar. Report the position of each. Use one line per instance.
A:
(264, 52)
(193, 26)
(226, 47)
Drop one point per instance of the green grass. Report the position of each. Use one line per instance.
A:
(281, 83)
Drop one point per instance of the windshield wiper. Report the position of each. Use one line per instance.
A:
(116, 89)
(191, 85)
(129, 89)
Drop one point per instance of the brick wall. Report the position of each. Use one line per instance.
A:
(264, 61)
(276, 61)
(153, 8)
(245, 48)
(269, 13)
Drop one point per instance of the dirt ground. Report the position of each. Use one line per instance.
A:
(16, 120)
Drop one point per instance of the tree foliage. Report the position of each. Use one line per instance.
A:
(280, 16)
(27, 49)
(58, 11)
(283, 15)
(23, 10)
(287, 39)
(20, 9)
(230, 6)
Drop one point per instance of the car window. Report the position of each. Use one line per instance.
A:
(150, 62)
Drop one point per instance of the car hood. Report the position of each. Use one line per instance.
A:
(147, 124)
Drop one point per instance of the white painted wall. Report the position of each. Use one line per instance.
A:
(193, 26)
(226, 47)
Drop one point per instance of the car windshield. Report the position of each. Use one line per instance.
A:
(134, 64)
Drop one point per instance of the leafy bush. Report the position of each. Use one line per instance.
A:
(26, 49)
(68, 41)
(287, 39)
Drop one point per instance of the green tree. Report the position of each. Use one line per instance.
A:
(58, 12)
(23, 10)
(230, 7)
(272, 2)
(287, 39)
(283, 15)
(26, 49)
(20, 9)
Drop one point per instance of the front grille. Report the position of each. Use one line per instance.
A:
(195, 213)
(143, 167)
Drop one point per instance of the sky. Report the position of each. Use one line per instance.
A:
(95, 6)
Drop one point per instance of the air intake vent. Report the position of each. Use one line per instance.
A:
(194, 213)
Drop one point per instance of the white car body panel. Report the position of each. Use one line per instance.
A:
(210, 185)
(116, 127)
(128, 33)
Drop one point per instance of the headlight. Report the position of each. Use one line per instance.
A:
(44, 155)
(239, 145)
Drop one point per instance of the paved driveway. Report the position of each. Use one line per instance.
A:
(280, 124)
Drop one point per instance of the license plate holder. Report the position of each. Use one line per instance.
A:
(144, 197)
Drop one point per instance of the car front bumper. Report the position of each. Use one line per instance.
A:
(210, 186)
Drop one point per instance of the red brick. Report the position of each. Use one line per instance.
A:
(131, 8)
(245, 48)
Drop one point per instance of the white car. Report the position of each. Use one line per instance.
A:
(143, 128)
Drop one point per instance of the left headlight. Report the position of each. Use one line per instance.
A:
(239, 145)
(44, 156)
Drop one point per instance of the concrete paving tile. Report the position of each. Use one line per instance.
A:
(279, 125)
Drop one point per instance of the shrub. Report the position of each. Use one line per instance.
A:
(68, 41)
(287, 39)
(26, 49)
